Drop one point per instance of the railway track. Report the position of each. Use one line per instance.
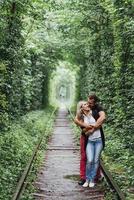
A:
(22, 181)
(58, 174)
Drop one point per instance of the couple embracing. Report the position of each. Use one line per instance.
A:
(90, 117)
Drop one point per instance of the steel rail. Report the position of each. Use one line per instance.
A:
(106, 173)
(19, 189)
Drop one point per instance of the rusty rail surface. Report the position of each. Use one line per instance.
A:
(106, 173)
(20, 186)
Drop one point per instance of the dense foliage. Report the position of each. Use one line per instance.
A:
(107, 69)
(108, 66)
(99, 38)
(95, 36)
(26, 58)
(17, 145)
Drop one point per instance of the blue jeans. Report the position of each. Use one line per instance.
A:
(93, 152)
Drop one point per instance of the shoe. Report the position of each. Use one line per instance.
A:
(81, 182)
(85, 184)
(91, 184)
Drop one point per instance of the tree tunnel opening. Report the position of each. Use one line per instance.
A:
(63, 92)
(63, 84)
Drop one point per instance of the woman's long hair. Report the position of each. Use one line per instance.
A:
(79, 112)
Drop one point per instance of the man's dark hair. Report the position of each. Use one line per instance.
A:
(94, 97)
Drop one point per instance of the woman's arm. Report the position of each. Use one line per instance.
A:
(80, 122)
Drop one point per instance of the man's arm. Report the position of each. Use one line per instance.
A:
(100, 120)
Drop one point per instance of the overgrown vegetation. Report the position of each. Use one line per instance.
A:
(94, 35)
(26, 58)
(17, 145)
(104, 50)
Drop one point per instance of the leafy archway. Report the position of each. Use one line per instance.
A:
(63, 84)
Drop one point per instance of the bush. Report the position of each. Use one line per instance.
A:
(16, 147)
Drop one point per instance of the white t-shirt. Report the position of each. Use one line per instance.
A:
(90, 120)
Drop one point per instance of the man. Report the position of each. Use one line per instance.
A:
(100, 117)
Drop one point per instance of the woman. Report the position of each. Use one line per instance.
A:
(83, 143)
(94, 145)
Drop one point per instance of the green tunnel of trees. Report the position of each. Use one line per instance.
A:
(94, 35)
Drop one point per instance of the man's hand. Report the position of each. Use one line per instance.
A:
(90, 131)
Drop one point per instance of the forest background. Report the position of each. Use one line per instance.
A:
(96, 38)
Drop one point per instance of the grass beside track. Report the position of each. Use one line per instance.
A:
(17, 145)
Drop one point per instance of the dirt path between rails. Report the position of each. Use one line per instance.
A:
(57, 179)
